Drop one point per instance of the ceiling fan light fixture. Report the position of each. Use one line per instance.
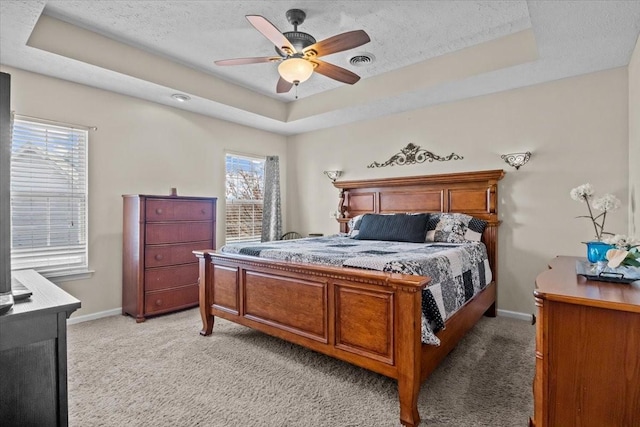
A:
(295, 70)
(299, 52)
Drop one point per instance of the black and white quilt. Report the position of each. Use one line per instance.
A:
(458, 271)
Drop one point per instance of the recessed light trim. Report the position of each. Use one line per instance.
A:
(180, 97)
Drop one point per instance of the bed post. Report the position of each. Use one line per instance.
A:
(205, 284)
(408, 353)
(341, 206)
(490, 237)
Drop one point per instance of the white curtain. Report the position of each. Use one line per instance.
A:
(271, 213)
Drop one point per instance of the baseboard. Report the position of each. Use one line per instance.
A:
(515, 315)
(113, 312)
(93, 316)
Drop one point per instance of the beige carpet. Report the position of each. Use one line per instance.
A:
(163, 373)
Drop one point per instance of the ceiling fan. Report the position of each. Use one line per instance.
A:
(299, 52)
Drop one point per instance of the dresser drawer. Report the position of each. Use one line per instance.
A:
(170, 277)
(178, 210)
(169, 300)
(178, 232)
(181, 253)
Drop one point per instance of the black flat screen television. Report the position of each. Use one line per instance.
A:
(6, 298)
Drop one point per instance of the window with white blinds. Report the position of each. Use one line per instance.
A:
(244, 198)
(48, 198)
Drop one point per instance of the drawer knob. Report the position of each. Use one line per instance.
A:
(158, 302)
(204, 211)
(159, 211)
(158, 257)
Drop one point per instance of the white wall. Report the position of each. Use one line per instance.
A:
(576, 128)
(634, 142)
(139, 148)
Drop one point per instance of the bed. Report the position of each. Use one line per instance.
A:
(372, 319)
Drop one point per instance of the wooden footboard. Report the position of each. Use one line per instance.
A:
(370, 319)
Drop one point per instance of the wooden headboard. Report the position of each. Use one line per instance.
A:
(472, 193)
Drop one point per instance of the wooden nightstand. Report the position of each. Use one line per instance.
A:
(587, 350)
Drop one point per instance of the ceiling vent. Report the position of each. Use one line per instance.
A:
(362, 59)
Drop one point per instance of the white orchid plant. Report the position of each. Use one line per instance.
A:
(626, 252)
(585, 194)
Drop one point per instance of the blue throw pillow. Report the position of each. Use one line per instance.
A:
(396, 228)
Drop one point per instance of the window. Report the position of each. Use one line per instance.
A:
(48, 198)
(244, 195)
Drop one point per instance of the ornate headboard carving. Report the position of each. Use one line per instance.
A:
(473, 193)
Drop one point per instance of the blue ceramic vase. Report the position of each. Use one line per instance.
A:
(597, 251)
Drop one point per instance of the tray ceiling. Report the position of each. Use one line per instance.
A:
(425, 52)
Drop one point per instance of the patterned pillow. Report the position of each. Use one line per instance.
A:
(454, 228)
(354, 226)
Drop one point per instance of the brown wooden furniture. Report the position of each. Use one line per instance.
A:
(159, 271)
(371, 319)
(33, 355)
(587, 350)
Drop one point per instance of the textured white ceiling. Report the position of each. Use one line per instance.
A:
(570, 38)
(197, 33)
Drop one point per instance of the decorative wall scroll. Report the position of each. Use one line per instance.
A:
(412, 154)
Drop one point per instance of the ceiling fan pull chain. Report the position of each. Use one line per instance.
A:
(296, 91)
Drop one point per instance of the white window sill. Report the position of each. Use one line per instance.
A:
(68, 276)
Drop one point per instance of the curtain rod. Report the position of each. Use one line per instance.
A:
(56, 121)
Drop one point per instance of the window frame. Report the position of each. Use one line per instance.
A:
(256, 237)
(57, 271)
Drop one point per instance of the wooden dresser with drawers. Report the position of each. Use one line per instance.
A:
(159, 270)
(587, 350)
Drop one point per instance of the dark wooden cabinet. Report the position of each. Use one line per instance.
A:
(159, 271)
(587, 350)
(33, 355)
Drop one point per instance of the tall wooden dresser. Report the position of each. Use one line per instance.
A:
(159, 271)
(587, 350)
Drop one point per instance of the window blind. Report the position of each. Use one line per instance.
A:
(48, 198)
(244, 198)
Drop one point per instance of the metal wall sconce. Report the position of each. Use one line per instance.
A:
(333, 175)
(516, 159)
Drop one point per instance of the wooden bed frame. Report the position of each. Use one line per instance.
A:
(368, 318)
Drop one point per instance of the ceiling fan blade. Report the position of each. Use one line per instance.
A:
(283, 86)
(243, 61)
(340, 42)
(334, 72)
(270, 32)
